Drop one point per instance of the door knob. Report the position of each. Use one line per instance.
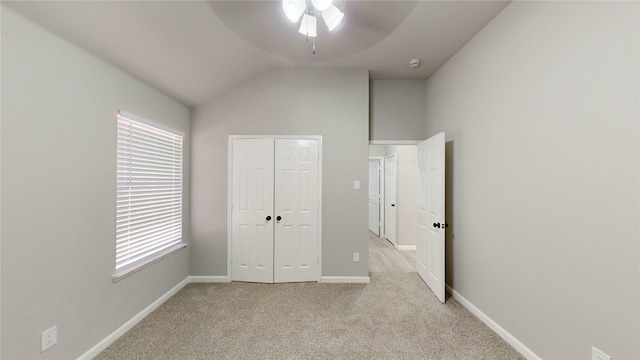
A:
(268, 218)
(279, 218)
(436, 225)
(393, 204)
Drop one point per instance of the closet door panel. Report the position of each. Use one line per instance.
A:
(252, 199)
(296, 202)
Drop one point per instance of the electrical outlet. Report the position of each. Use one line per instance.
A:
(356, 256)
(48, 338)
(598, 354)
(356, 184)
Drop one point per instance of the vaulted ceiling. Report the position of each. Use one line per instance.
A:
(195, 50)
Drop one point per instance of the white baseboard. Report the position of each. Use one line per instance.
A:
(405, 247)
(504, 334)
(94, 351)
(209, 279)
(345, 279)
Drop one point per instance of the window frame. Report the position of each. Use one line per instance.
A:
(125, 122)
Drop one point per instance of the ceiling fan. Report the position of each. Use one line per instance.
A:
(294, 9)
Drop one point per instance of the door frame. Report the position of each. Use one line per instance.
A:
(230, 191)
(380, 160)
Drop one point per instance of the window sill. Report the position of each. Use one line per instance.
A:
(134, 268)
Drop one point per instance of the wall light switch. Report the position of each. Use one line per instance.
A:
(597, 354)
(48, 338)
(356, 184)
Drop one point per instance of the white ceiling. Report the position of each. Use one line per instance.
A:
(195, 50)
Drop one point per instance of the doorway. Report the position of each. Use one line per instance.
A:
(399, 192)
(393, 249)
(376, 183)
(426, 207)
(274, 208)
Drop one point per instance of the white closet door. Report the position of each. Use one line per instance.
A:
(252, 212)
(296, 205)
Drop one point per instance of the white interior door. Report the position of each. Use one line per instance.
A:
(374, 196)
(275, 195)
(252, 212)
(296, 210)
(390, 198)
(431, 222)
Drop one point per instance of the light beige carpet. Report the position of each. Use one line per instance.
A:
(394, 317)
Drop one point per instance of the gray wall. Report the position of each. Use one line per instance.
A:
(333, 104)
(58, 167)
(541, 114)
(397, 110)
(377, 150)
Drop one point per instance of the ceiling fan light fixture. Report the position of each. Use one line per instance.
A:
(321, 5)
(332, 17)
(308, 25)
(293, 9)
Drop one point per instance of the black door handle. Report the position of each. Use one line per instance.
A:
(268, 218)
(437, 225)
(393, 204)
(279, 218)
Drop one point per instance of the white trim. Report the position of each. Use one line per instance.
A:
(139, 119)
(230, 190)
(209, 279)
(405, 247)
(380, 160)
(504, 334)
(345, 279)
(94, 351)
(146, 262)
(394, 142)
(229, 201)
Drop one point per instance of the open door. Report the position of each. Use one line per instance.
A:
(390, 193)
(431, 222)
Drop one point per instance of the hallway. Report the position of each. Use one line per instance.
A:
(383, 257)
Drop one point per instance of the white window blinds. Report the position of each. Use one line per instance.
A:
(149, 192)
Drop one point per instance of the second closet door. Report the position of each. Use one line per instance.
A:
(296, 203)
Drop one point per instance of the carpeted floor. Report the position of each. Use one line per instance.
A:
(394, 317)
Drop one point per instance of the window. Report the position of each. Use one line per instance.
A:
(149, 193)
